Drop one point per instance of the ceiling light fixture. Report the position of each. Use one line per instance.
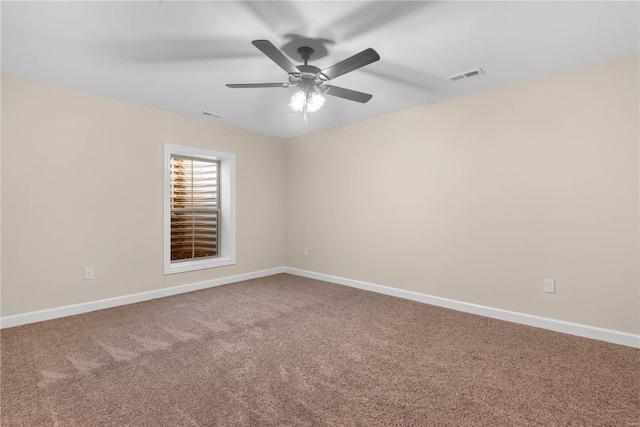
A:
(310, 81)
(306, 101)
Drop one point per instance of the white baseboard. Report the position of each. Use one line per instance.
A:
(70, 310)
(586, 331)
(593, 332)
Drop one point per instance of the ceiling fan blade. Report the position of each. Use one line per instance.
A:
(351, 95)
(276, 55)
(255, 85)
(371, 16)
(280, 17)
(178, 49)
(409, 77)
(358, 60)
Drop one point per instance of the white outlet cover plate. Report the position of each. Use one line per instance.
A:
(550, 286)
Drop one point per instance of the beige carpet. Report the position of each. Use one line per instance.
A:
(290, 351)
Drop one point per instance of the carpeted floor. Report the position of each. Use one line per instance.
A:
(290, 351)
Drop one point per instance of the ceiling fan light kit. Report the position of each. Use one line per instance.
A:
(304, 100)
(311, 81)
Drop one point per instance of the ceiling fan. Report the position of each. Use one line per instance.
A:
(312, 81)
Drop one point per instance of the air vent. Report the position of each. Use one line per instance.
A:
(466, 74)
(211, 115)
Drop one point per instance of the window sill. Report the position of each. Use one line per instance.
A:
(187, 266)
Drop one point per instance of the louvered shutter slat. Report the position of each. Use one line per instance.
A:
(194, 204)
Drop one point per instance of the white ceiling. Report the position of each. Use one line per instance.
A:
(177, 56)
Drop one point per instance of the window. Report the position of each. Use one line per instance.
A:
(199, 209)
(193, 195)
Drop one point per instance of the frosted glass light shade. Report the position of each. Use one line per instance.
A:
(298, 100)
(315, 102)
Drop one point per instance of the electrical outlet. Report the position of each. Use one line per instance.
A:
(88, 273)
(305, 252)
(550, 286)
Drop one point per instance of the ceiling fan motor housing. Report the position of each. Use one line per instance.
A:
(307, 72)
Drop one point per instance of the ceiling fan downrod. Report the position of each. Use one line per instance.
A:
(305, 53)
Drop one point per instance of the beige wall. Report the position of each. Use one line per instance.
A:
(477, 198)
(482, 197)
(82, 187)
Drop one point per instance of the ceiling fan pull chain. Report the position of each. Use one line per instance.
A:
(304, 108)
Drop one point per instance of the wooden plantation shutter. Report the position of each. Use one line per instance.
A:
(195, 208)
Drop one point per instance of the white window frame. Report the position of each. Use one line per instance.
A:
(227, 191)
